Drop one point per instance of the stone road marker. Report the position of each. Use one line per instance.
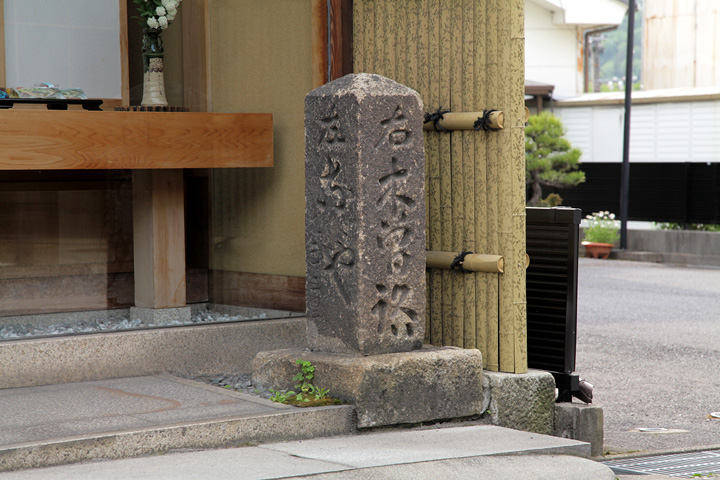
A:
(365, 216)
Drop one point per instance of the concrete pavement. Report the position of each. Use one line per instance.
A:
(648, 339)
(102, 423)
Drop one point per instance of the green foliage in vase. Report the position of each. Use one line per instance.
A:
(601, 227)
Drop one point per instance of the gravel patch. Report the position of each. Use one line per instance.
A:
(105, 321)
(239, 383)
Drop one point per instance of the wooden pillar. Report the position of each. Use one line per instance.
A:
(159, 236)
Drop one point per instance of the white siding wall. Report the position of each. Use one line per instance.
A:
(70, 43)
(551, 52)
(661, 132)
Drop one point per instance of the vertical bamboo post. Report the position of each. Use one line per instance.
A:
(480, 178)
(430, 23)
(368, 27)
(492, 85)
(468, 155)
(445, 165)
(517, 130)
(457, 192)
(506, 318)
(389, 42)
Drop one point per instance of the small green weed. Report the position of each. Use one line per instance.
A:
(280, 396)
(307, 391)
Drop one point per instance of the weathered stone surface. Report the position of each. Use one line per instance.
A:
(389, 389)
(520, 401)
(365, 216)
(580, 422)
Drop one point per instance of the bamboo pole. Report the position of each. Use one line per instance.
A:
(517, 85)
(457, 190)
(468, 155)
(389, 40)
(474, 262)
(430, 30)
(492, 85)
(445, 166)
(466, 120)
(370, 55)
(480, 208)
(506, 317)
(359, 36)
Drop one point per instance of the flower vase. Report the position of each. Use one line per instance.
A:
(153, 78)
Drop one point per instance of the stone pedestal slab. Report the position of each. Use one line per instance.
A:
(389, 389)
(520, 401)
(365, 216)
(581, 422)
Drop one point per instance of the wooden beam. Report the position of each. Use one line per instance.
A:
(63, 140)
(159, 238)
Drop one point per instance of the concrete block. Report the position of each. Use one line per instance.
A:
(389, 389)
(580, 422)
(189, 350)
(520, 401)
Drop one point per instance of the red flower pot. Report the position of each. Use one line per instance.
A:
(597, 249)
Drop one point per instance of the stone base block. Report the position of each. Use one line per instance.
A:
(580, 422)
(388, 389)
(162, 316)
(520, 401)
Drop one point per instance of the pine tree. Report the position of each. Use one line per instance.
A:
(550, 160)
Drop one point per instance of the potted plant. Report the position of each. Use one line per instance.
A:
(601, 233)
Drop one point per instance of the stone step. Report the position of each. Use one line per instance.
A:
(128, 417)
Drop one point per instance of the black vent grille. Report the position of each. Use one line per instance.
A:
(552, 244)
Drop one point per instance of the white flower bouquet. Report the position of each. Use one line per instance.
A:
(602, 227)
(157, 14)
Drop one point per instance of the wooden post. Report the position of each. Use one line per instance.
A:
(319, 43)
(159, 236)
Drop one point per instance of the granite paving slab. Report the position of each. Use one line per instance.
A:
(57, 411)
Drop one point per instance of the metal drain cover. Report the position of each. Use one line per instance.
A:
(677, 465)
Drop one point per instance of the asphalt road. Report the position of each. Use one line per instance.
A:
(649, 340)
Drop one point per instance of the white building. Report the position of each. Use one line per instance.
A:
(555, 38)
(680, 43)
(672, 125)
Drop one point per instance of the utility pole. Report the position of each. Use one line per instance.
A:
(625, 172)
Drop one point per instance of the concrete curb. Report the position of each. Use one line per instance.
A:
(295, 424)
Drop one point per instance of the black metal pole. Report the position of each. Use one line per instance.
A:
(625, 173)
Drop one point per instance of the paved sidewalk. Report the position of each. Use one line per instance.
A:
(103, 423)
(454, 452)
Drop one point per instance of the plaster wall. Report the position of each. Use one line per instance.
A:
(261, 62)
